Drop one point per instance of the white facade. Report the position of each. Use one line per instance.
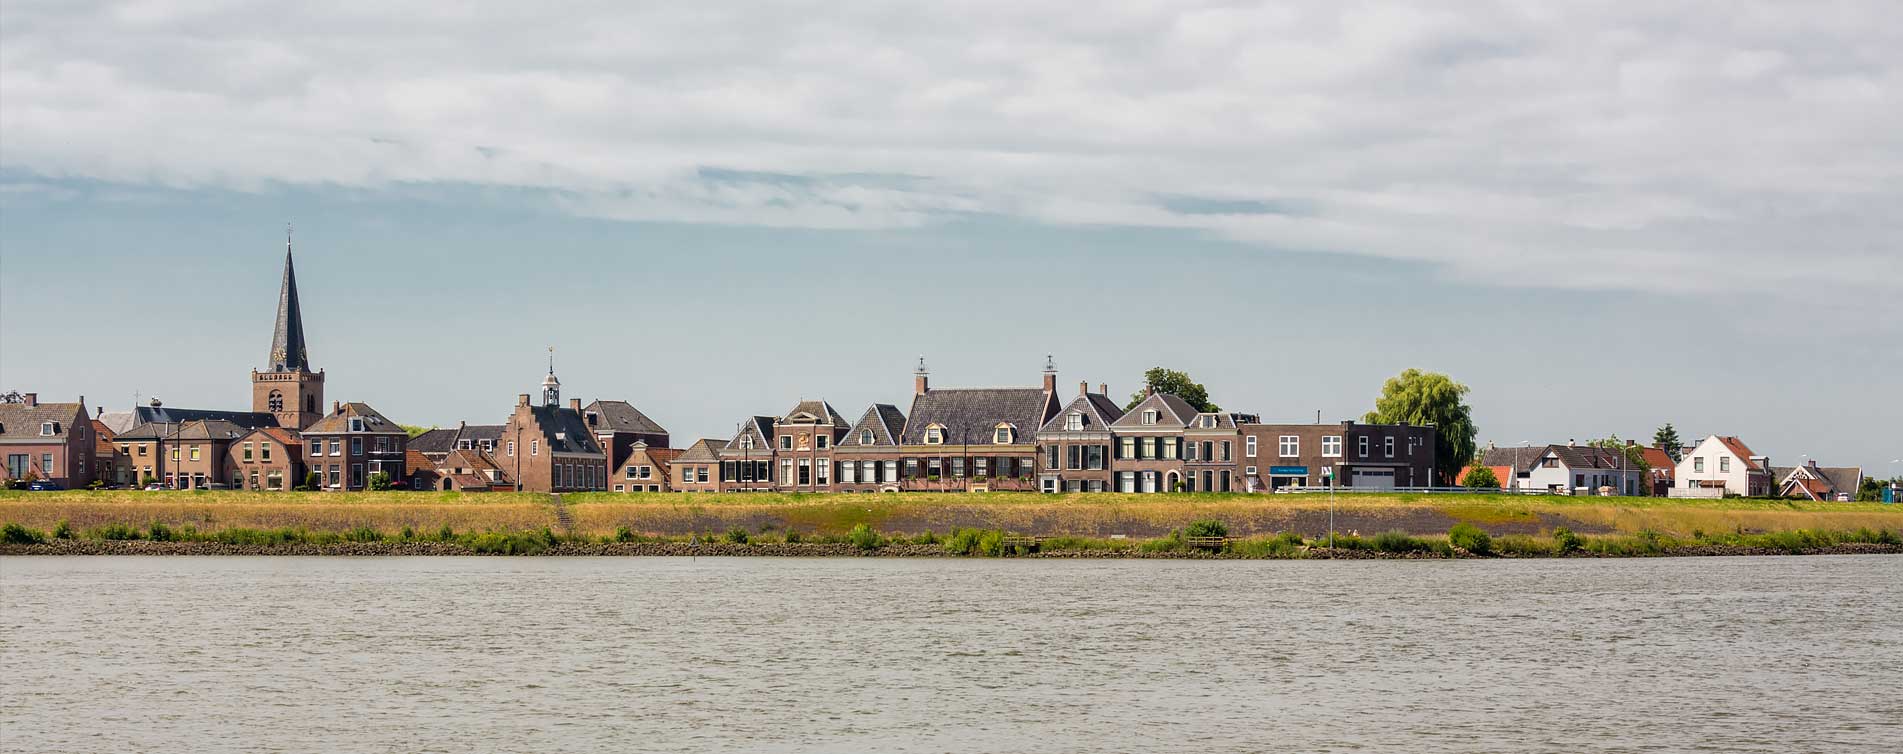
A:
(1716, 463)
(1553, 474)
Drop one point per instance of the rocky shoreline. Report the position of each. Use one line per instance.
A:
(782, 549)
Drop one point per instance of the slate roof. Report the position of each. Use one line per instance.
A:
(441, 440)
(20, 422)
(821, 409)
(437, 440)
(1172, 413)
(193, 430)
(564, 430)
(622, 416)
(119, 421)
(1227, 422)
(1838, 478)
(1098, 409)
(1573, 456)
(169, 415)
(885, 420)
(287, 338)
(760, 427)
(338, 422)
(974, 413)
(702, 451)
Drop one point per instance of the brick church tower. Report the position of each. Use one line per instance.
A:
(289, 390)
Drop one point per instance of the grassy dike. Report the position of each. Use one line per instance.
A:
(924, 523)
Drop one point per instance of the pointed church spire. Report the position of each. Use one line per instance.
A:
(287, 340)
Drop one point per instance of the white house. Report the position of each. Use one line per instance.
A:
(1568, 469)
(1720, 466)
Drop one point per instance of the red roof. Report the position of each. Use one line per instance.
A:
(1660, 461)
(1737, 448)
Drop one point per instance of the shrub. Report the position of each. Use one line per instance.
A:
(1170, 542)
(161, 533)
(963, 541)
(925, 538)
(363, 534)
(446, 534)
(1468, 537)
(1397, 542)
(380, 481)
(96, 484)
(623, 534)
(792, 535)
(408, 533)
(312, 481)
(148, 480)
(63, 530)
(737, 535)
(116, 531)
(864, 538)
(1566, 540)
(1482, 478)
(1526, 547)
(991, 543)
(1207, 527)
(15, 534)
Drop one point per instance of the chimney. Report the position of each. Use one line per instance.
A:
(1050, 375)
(1103, 388)
(336, 406)
(574, 404)
(1083, 387)
(102, 412)
(522, 399)
(32, 399)
(920, 383)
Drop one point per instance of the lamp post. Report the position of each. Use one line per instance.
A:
(1330, 473)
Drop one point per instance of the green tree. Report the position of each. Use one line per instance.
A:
(413, 430)
(1482, 478)
(1421, 397)
(1634, 455)
(1162, 380)
(1667, 439)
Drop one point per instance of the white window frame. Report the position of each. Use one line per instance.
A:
(1248, 446)
(1361, 445)
(1074, 422)
(1331, 441)
(1288, 446)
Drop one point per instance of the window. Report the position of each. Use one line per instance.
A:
(933, 467)
(824, 472)
(786, 471)
(1147, 448)
(276, 402)
(1189, 451)
(1074, 422)
(786, 442)
(511, 448)
(1225, 457)
(806, 471)
(911, 468)
(142, 447)
(356, 446)
(1248, 446)
(1387, 445)
(336, 446)
(1209, 450)
(1050, 485)
(1331, 446)
(848, 472)
(48, 429)
(264, 451)
(1579, 480)
(1250, 471)
(822, 440)
(865, 437)
(1002, 436)
(1724, 464)
(958, 467)
(1361, 446)
(356, 424)
(46, 463)
(1288, 446)
(1127, 448)
(247, 451)
(934, 436)
(1169, 447)
(1209, 421)
(1050, 456)
(1698, 464)
(1549, 463)
(1149, 416)
(631, 473)
(535, 447)
(981, 467)
(194, 453)
(1093, 457)
(317, 446)
(892, 471)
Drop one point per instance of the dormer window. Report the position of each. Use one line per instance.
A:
(1209, 422)
(48, 429)
(356, 424)
(1074, 422)
(865, 437)
(1149, 416)
(746, 441)
(593, 418)
(1001, 435)
(934, 435)
(463, 443)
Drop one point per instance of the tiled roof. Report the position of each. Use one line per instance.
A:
(280, 435)
(820, 410)
(1171, 413)
(971, 414)
(885, 420)
(19, 421)
(622, 416)
(215, 429)
(703, 451)
(1574, 456)
(1835, 478)
(1098, 410)
(416, 461)
(338, 422)
(1661, 462)
(119, 421)
(1737, 448)
(759, 427)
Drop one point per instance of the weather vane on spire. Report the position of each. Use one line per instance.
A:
(551, 359)
(287, 236)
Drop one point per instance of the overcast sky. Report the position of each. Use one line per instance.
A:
(1602, 216)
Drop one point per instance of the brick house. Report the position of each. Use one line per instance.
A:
(803, 444)
(1216, 453)
(701, 466)
(1075, 445)
(51, 441)
(436, 443)
(1362, 456)
(352, 443)
(549, 448)
(974, 439)
(618, 425)
(271, 458)
(184, 456)
(746, 459)
(646, 469)
(1147, 447)
(868, 456)
(109, 464)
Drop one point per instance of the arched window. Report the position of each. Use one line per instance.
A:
(276, 402)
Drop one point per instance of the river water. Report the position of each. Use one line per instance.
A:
(1769, 654)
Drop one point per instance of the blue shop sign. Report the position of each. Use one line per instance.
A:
(1288, 471)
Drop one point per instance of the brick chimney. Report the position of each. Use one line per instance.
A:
(920, 378)
(336, 406)
(1103, 387)
(1050, 375)
(574, 404)
(32, 399)
(1083, 387)
(522, 399)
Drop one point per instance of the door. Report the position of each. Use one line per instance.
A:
(1373, 479)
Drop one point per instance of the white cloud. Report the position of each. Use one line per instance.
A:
(1746, 147)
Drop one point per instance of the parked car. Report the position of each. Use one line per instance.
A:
(154, 487)
(43, 485)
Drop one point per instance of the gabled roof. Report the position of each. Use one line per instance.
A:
(169, 415)
(280, 435)
(760, 428)
(621, 416)
(338, 422)
(1225, 421)
(1098, 410)
(1573, 456)
(820, 411)
(215, 429)
(564, 430)
(1737, 448)
(1833, 479)
(974, 413)
(119, 421)
(1660, 461)
(885, 420)
(19, 421)
(1171, 413)
(662, 458)
(702, 451)
(437, 440)
(102, 439)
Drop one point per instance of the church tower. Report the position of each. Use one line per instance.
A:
(288, 389)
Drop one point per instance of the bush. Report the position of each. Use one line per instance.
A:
(1398, 542)
(963, 541)
(63, 530)
(1524, 546)
(161, 533)
(446, 534)
(148, 480)
(1482, 478)
(623, 534)
(792, 535)
(408, 533)
(864, 538)
(116, 532)
(991, 543)
(925, 538)
(1566, 540)
(1207, 527)
(1170, 542)
(1468, 537)
(15, 534)
(737, 535)
(363, 534)
(380, 481)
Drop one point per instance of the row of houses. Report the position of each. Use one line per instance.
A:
(1718, 466)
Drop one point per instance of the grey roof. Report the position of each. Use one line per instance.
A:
(622, 416)
(169, 415)
(885, 420)
(1841, 478)
(820, 409)
(19, 421)
(287, 339)
(564, 430)
(214, 429)
(1574, 456)
(338, 422)
(759, 427)
(1098, 409)
(702, 451)
(443, 440)
(437, 440)
(1172, 413)
(118, 421)
(1226, 421)
(973, 413)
